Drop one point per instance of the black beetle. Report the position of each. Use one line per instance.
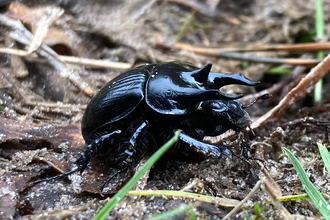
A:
(139, 110)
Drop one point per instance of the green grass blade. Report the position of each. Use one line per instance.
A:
(325, 156)
(293, 197)
(186, 23)
(319, 26)
(319, 21)
(104, 212)
(279, 71)
(172, 213)
(320, 203)
(297, 197)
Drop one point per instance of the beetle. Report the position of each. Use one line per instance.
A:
(139, 110)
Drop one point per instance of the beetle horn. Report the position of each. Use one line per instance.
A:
(217, 80)
(201, 75)
(231, 97)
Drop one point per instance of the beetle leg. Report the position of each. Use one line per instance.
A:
(136, 134)
(127, 153)
(217, 150)
(92, 150)
(130, 155)
(85, 157)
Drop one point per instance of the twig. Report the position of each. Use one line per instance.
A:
(72, 107)
(294, 76)
(285, 213)
(97, 63)
(206, 10)
(232, 47)
(75, 60)
(187, 195)
(50, 15)
(196, 6)
(240, 205)
(24, 36)
(301, 89)
(223, 52)
(270, 60)
(269, 181)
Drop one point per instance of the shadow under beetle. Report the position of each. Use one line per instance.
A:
(138, 111)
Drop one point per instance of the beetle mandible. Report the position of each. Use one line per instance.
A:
(139, 110)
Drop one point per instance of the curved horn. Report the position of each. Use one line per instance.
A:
(230, 96)
(201, 75)
(212, 94)
(217, 80)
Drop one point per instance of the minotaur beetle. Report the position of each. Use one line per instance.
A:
(138, 111)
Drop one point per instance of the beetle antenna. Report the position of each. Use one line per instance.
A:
(261, 97)
(242, 158)
(249, 126)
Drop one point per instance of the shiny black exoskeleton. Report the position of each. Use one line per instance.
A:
(138, 111)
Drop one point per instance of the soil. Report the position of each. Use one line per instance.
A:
(42, 101)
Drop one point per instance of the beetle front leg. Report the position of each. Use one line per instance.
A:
(206, 148)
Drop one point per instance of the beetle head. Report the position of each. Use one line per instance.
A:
(226, 110)
(231, 111)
